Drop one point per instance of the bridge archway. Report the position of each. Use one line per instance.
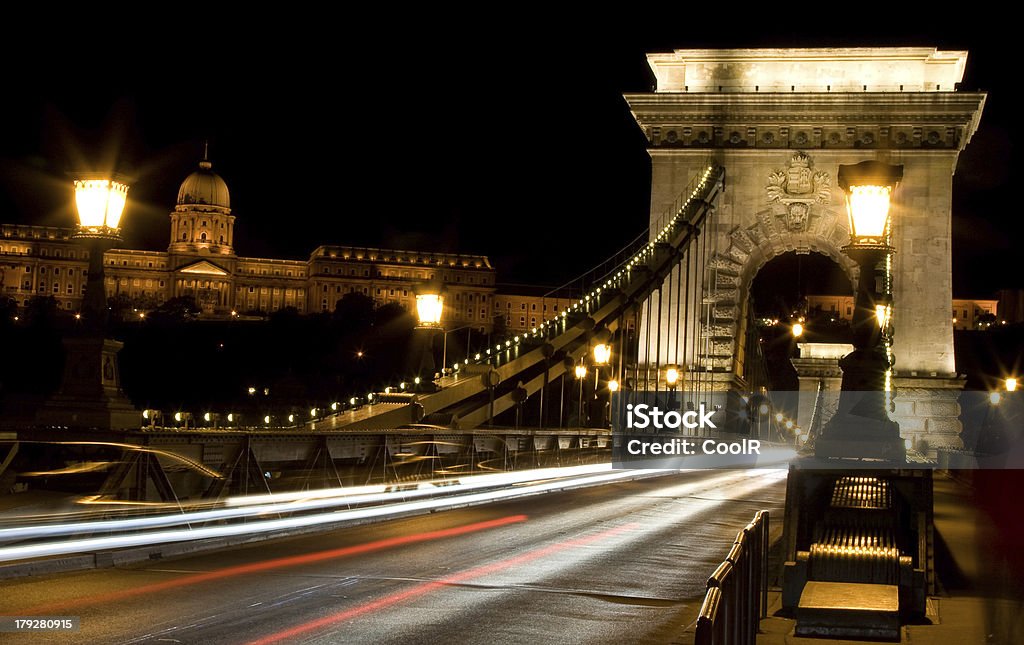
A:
(781, 122)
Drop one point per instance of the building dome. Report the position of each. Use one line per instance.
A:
(204, 187)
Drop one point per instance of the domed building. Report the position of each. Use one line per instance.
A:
(201, 262)
(202, 220)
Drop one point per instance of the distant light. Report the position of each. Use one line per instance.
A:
(234, 313)
(266, 419)
(882, 315)
(387, 390)
(231, 417)
(908, 443)
(177, 416)
(352, 401)
(602, 353)
(581, 371)
(994, 398)
(334, 405)
(252, 391)
(359, 354)
(789, 424)
(613, 386)
(672, 375)
(145, 414)
(206, 417)
(416, 380)
(763, 409)
(369, 396)
(291, 418)
(142, 315)
(312, 412)
(1011, 384)
(77, 317)
(402, 385)
(954, 320)
(798, 330)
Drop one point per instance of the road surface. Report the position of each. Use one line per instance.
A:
(620, 563)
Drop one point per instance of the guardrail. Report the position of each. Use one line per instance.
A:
(737, 596)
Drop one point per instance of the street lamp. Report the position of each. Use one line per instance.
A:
(581, 375)
(100, 202)
(861, 427)
(430, 306)
(671, 379)
(430, 310)
(90, 391)
(1011, 384)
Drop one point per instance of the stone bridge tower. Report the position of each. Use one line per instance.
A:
(781, 121)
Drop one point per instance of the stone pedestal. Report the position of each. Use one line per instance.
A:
(90, 394)
(814, 374)
(928, 412)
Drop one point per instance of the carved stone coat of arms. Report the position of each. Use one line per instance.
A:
(797, 188)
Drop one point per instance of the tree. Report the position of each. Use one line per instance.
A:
(8, 310)
(177, 309)
(355, 310)
(41, 311)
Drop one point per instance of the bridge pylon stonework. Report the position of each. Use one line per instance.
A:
(781, 121)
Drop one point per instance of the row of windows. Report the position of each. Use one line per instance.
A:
(522, 306)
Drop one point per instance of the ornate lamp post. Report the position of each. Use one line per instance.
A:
(429, 310)
(581, 373)
(861, 427)
(672, 380)
(90, 392)
(100, 203)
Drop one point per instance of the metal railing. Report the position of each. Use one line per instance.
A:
(737, 596)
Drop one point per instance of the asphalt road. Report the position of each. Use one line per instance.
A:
(621, 563)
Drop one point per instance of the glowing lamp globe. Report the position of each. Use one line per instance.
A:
(100, 203)
(602, 354)
(868, 186)
(429, 307)
(672, 375)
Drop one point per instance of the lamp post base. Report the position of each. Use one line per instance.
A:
(854, 437)
(90, 393)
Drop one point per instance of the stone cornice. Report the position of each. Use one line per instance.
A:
(940, 120)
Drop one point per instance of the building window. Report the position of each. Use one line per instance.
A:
(522, 321)
(56, 287)
(523, 306)
(161, 283)
(56, 270)
(252, 289)
(71, 289)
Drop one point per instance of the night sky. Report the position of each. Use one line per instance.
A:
(507, 138)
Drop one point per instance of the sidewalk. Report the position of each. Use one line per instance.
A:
(979, 600)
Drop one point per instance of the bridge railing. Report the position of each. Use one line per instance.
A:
(737, 596)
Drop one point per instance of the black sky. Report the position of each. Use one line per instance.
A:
(507, 137)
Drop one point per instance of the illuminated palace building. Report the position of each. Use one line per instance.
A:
(201, 262)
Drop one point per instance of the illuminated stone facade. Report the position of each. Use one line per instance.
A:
(967, 313)
(200, 261)
(781, 121)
